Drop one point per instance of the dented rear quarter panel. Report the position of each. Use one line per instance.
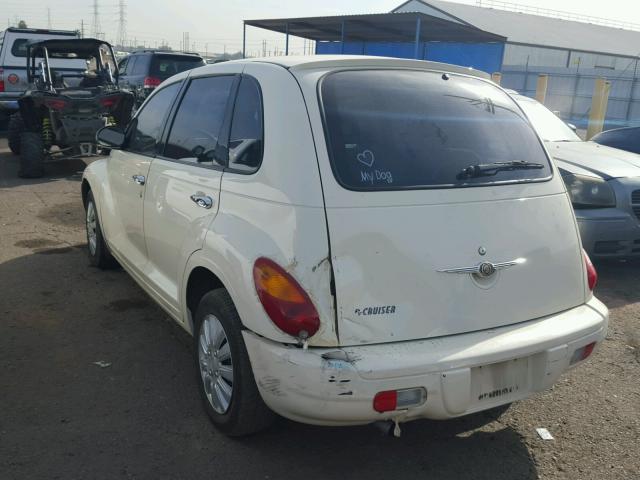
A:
(277, 212)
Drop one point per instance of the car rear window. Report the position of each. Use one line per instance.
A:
(165, 66)
(19, 47)
(405, 129)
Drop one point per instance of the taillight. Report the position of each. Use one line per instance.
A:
(1, 80)
(109, 102)
(391, 400)
(582, 353)
(592, 275)
(152, 82)
(284, 300)
(55, 103)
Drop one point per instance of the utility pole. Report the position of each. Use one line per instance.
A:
(95, 27)
(82, 28)
(122, 23)
(48, 18)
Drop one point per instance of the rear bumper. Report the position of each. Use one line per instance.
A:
(9, 102)
(305, 386)
(609, 233)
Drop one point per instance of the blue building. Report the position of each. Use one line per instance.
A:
(403, 34)
(572, 49)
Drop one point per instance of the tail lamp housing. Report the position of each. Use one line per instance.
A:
(285, 301)
(151, 82)
(391, 400)
(1, 80)
(55, 104)
(592, 274)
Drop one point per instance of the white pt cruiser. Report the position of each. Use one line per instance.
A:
(348, 239)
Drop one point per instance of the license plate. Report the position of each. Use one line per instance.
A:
(500, 382)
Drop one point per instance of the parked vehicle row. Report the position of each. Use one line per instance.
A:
(142, 71)
(63, 108)
(603, 183)
(362, 251)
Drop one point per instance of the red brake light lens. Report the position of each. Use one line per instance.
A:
(284, 300)
(55, 104)
(109, 102)
(1, 80)
(385, 401)
(592, 275)
(152, 82)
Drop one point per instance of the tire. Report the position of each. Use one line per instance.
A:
(16, 127)
(99, 254)
(245, 412)
(32, 155)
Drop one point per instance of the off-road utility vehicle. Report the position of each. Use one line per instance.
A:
(66, 109)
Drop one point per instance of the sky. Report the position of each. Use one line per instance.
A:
(215, 26)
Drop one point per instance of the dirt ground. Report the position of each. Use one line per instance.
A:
(64, 417)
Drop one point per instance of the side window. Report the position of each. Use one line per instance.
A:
(147, 127)
(196, 130)
(246, 140)
(138, 68)
(19, 48)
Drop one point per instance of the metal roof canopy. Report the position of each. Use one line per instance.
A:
(377, 27)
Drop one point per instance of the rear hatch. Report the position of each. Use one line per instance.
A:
(406, 213)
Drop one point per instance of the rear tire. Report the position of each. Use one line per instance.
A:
(99, 254)
(32, 155)
(224, 374)
(16, 127)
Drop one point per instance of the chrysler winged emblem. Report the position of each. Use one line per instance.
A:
(484, 269)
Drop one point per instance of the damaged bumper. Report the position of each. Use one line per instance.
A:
(462, 374)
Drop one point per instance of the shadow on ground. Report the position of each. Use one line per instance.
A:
(140, 417)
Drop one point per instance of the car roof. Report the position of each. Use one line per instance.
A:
(301, 62)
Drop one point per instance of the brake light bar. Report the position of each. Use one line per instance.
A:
(55, 103)
(1, 80)
(109, 102)
(151, 82)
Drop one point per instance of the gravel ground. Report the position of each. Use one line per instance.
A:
(62, 416)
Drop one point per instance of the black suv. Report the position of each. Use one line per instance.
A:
(142, 71)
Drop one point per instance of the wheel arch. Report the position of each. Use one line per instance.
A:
(198, 282)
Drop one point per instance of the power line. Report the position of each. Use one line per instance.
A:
(122, 23)
(95, 27)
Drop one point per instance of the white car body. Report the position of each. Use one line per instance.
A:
(372, 263)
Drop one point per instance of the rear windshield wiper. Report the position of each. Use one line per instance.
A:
(490, 169)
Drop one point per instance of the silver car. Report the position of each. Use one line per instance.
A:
(603, 183)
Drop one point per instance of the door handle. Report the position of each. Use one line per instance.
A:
(202, 200)
(139, 179)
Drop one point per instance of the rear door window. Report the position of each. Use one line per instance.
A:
(196, 133)
(402, 129)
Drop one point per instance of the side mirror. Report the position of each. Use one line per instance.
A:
(110, 137)
(572, 127)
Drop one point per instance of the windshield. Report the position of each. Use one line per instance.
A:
(547, 124)
(402, 129)
(165, 66)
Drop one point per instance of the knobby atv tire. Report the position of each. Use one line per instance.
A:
(32, 155)
(247, 412)
(16, 127)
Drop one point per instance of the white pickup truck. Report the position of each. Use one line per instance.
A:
(13, 63)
